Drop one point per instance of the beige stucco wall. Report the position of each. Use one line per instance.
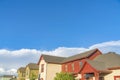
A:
(42, 74)
(52, 69)
(20, 75)
(111, 75)
(27, 73)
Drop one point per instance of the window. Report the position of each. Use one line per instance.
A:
(42, 67)
(73, 66)
(66, 67)
(27, 72)
(23, 74)
(80, 63)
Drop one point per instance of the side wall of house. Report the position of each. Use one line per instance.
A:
(111, 75)
(42, 74)
(27, 75)
(77, 66)
(21, 76)
(52, 69)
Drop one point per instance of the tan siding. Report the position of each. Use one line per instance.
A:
(52, 69)
(42, 74)
(20, 76)
(27, 73)
(111, 75)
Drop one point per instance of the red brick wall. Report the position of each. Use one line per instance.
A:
(88, 69)
(76, 63)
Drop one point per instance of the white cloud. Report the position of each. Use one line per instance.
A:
(17, 58)
(2, 70)
(111, 46)
(11, 71)
(8, 72)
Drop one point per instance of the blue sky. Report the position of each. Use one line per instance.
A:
(48, 24)
(29, 28)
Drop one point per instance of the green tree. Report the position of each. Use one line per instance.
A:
(22, 79)
(33, 76)
(64, 76)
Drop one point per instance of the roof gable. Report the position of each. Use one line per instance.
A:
(94, 66)
(21, 69)
(87, 68)
(99, 66)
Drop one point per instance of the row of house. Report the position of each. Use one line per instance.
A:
(89, 65)
(28, 72)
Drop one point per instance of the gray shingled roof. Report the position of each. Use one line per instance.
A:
(22, 69)
(33, 66)
(53, 59)
(79, 56)
(97, 65)
(110, 59)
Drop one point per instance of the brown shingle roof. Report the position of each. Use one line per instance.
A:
(110, 59)
(33, 66)
(97, 65)
(81, 55)
(22, 69)
(52, 59)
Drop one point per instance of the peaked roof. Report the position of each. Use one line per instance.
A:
(22, 69)
(53, 59)
(110, 59)
(104, 62)
(100, 66)
(59, 60)
(80, 56)
(33, 66)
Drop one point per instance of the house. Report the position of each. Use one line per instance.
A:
(49, 66)
(7, 77)
(21, 73)
(74, 63)
(89, 65)
(31, 71)
(103, 67)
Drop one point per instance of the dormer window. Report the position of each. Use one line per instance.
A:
(42, 67)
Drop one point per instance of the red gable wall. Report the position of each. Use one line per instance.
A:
(87, 69)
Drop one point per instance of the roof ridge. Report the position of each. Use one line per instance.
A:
(81, 55)
(52, 55)
(85, 52)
